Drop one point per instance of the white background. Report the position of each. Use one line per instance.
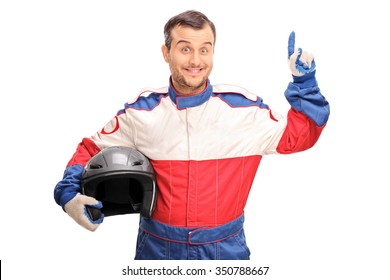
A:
(66, 67)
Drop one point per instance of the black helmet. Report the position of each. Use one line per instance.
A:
(122, 179)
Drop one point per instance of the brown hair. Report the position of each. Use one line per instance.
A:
(190, 18)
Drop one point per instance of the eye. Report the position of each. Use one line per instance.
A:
(204, 51)
(185, 50)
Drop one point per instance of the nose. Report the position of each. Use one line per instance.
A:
(195, 58)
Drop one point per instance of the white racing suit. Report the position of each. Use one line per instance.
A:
(205, 149)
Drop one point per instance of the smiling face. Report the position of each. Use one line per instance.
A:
(190, 58)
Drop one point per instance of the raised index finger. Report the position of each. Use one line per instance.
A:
(291, 44)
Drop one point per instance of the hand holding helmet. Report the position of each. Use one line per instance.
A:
(300, 62)
(77, 210)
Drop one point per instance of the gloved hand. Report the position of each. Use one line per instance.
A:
(76, 209)
(300, 62)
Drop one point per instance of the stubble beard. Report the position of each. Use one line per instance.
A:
(186, 87)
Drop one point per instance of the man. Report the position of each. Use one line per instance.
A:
(205, 144)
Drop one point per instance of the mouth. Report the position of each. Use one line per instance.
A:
(193, 71)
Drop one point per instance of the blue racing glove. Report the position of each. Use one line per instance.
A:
(77, 210)
(300, 62)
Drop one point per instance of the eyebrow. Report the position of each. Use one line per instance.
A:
(188, 42)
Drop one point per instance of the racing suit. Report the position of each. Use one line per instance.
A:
(205, 149)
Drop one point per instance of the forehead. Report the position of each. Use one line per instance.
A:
(191, 35)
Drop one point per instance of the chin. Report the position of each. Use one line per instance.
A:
(196, 81)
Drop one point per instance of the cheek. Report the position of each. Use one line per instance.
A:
(177, 60)
(209, 63)
(208, 59)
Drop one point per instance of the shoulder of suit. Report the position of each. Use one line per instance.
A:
(233, 89)
(149, 92)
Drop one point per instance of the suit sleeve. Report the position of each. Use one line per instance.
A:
(115, 132)
(69, 186)
(307, 117)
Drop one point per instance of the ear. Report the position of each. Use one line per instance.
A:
(165, 52)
